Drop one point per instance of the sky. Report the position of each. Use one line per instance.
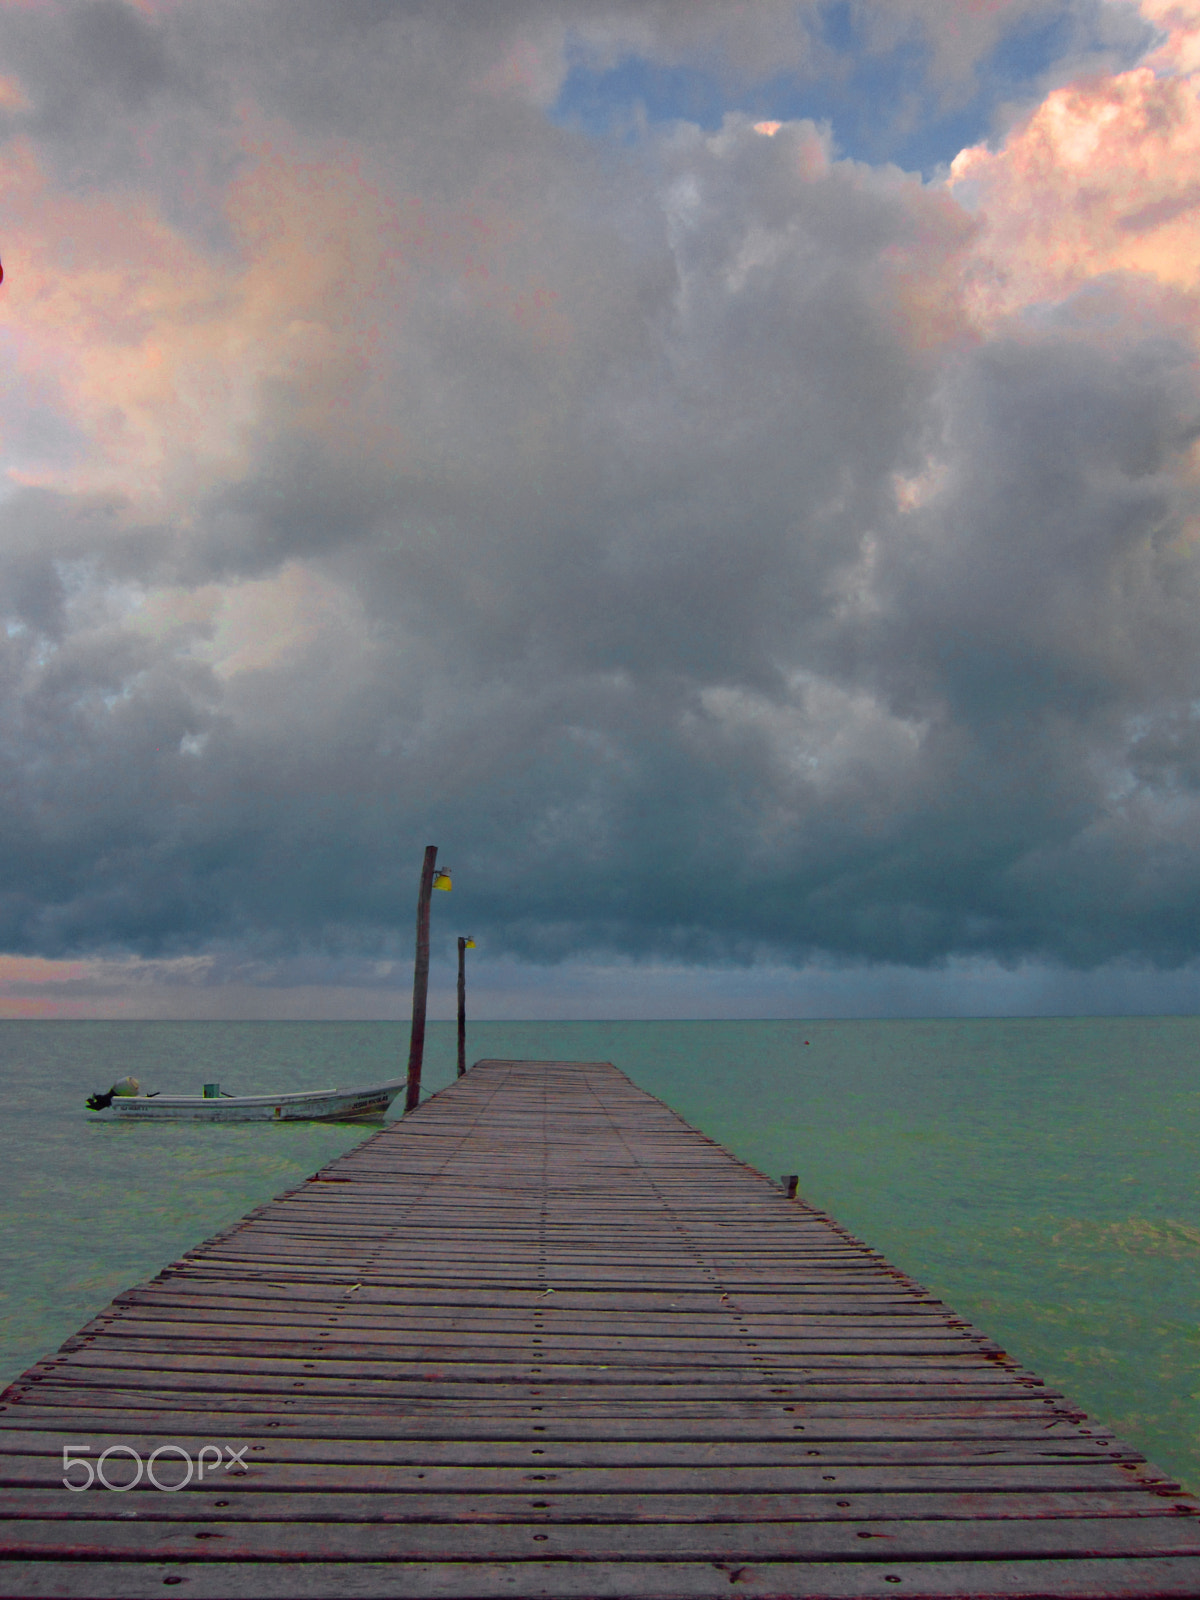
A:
(725, 471)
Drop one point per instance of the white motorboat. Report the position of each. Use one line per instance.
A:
(303, 1105)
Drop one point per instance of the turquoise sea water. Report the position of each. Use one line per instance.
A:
(1039, 1174)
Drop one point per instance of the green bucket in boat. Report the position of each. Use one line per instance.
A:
(212, 1091)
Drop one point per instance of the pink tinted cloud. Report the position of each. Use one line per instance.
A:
(109, 316)
(162, 361)
(1179, 21)
(29, 987)
(33, 987)
(1102, 179)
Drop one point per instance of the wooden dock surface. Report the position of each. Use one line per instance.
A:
(541, 1338)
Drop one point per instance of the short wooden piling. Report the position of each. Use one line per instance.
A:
(539, 1339)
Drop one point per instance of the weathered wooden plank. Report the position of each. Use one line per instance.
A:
(237, 1319)
(637, 1378)
(1086, 1579)
(665, 1417)
(98, 1386)
(301, 1463)
(475, 1332)
(269, 1292)
(732, 1421)
(655, 1396)
(358, 1430)
(227, 1499)
(378, 1365)
(294, 1539)
(398, 1358)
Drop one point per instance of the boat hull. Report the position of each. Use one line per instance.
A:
(316, 1105)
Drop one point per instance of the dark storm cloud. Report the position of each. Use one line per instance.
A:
(654, 530)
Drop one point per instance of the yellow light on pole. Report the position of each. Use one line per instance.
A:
(441, 879)
(468, 943)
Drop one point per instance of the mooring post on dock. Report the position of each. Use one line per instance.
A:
(790, 1182)
(416, 1046)
(465, 943)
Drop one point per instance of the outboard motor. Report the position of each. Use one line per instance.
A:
(125, 1088)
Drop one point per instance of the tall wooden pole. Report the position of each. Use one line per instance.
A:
(416, 1048)
(462, 1006)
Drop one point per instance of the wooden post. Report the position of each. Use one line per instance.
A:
(790, 1183)
(416, 1048)
(462, 1006)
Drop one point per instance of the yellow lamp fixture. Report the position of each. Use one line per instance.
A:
(468, 943)
(441, 879)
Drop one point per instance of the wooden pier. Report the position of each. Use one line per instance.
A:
(539, 1339)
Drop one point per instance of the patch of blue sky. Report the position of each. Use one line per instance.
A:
(617, 102)
(882, 105)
